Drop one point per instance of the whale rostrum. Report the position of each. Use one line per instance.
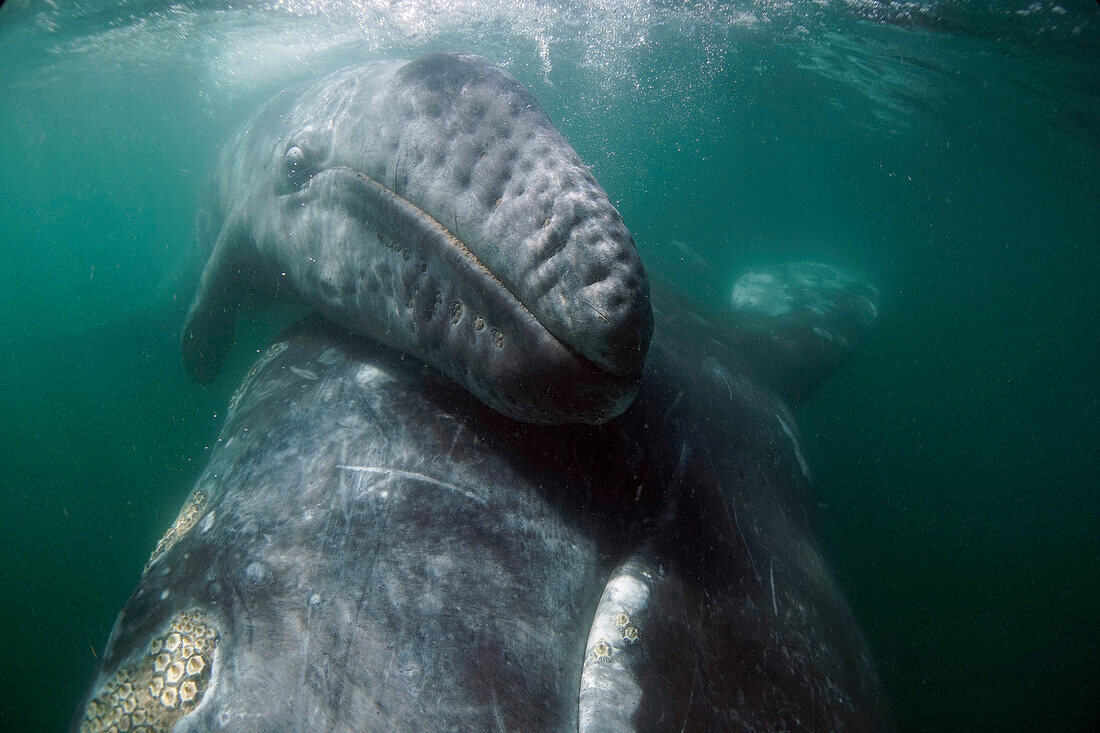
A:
(432, 205)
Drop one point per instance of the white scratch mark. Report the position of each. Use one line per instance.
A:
(687, 709)
(771, 576)
(797, 449)
(454, 440)
(726, 382)
(720, 373)
(737, 524)
(304, 373)
(416, 477)
(672, 406)
(600, 313)
(496, 711)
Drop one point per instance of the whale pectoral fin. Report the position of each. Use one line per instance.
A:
(639, 665)
(797, 322)
(207, 338)
(212, 318)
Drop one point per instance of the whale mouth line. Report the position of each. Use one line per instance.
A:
(450, 237)
(392, 210)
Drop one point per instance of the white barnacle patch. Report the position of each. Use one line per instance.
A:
(190, 513)
(274, 350)
(160, 684)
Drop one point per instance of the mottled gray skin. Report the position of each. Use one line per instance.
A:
(432, 206)
(381, 552)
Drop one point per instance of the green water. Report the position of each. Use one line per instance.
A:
(948, 149)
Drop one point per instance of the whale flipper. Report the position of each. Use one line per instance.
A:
(637, 660)
(798, 321)
(212, 317)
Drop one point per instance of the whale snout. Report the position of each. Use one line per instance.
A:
(610, 318)
(381, 266)
(432, 206)
(554, 238)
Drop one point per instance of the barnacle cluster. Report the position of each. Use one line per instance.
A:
(190, 514)
(626, 627)
(272, 351)
(168, 682)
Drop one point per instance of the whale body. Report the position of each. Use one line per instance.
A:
(432, 206)
(371, 548)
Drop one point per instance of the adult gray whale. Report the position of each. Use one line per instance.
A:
(432, 206)
(370, 548)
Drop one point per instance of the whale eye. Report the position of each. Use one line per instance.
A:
(297, 166)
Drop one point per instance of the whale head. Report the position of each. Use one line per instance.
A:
(433, 206)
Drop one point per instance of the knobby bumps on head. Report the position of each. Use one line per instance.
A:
(467, 233)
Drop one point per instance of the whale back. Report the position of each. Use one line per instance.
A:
(372, 548)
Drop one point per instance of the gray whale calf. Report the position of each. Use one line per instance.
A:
(432, 206)
(370, 548)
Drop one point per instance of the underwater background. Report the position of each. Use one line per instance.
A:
(951, 150)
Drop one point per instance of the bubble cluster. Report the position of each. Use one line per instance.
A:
(168, 682)
(190, 514)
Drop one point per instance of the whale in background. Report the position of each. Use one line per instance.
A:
(431, 205)
(371, 548)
